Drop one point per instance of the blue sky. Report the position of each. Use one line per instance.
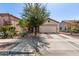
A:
(58, 11)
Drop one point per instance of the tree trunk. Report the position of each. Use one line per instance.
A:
(35, 31)
(38, 29)
(28, 28)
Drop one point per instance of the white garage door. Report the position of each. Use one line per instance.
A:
(48, 29)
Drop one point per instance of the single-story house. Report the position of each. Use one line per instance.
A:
(6, 18)
(50, 26)
(64, 25)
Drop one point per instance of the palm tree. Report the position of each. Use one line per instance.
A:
(36, 14)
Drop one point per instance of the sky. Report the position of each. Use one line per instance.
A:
(58, 11)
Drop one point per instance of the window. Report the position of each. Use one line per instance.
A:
(48, 20)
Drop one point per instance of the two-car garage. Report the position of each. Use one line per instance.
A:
(48, 29)
(50, 26)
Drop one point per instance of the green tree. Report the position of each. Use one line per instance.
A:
(23, 23)
(36, 14)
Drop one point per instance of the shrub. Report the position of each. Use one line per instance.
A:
(74, 30)
(8, 31)
(23, 33)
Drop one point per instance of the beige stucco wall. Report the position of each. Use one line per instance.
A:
(50, 27)
(14, 21)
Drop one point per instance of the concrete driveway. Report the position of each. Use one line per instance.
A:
(49, 45)
(61, 44)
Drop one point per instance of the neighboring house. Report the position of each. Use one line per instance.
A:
(50, 26)
(64, 25)
(6, 18)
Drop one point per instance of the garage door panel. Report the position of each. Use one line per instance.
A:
(48, 29)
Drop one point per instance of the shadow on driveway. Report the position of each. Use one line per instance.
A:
(36, 42)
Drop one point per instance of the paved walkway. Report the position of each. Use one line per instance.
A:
(9, 40)
(50, 45)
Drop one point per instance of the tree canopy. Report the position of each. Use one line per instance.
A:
(36, 13)
(23, 23)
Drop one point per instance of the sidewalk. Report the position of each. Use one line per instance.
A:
(6, 44)
(74, 35)
(4, 41)
(74, 40)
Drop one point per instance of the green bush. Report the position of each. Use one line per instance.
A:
(23, 33)
(74, 30)
(8, 31)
